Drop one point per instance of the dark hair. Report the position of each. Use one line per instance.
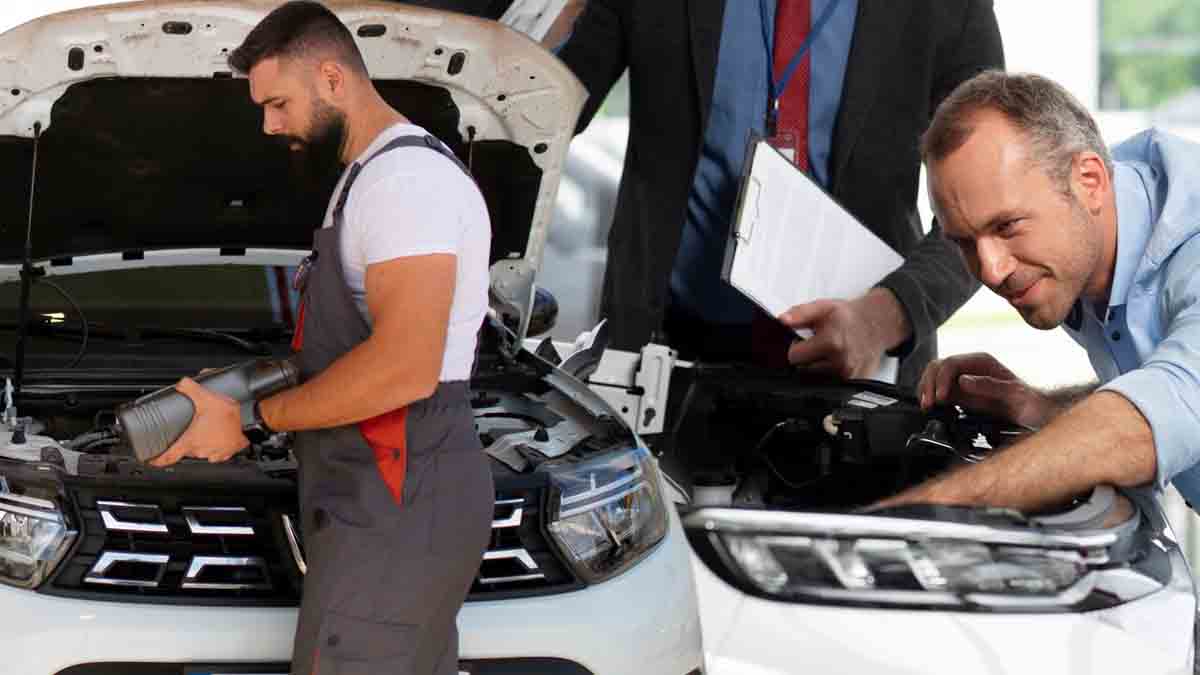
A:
(297, 29)
(1055, 124)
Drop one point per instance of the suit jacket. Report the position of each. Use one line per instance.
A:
(906, 56)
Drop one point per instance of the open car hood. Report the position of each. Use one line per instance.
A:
(149, 142)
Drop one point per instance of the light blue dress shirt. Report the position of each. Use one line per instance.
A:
(739, 106)
(1146, 347)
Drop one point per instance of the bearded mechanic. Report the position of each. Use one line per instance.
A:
(1104, 244)
(392, 299)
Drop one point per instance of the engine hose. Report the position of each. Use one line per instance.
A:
(89, 438)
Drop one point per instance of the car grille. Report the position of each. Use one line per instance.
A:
(519, 559)
(198, 548)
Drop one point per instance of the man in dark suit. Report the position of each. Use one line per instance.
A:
(704, 74)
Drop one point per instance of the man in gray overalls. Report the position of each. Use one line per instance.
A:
(395, 493)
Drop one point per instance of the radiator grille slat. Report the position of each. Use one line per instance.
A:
(194, 547)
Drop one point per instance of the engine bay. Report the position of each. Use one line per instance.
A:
(746, 437)
(70, 424)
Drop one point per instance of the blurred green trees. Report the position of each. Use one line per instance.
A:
(1149, 51)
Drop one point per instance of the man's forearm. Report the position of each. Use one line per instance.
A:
(367, 381)
(1063, 398)
(1102, 440)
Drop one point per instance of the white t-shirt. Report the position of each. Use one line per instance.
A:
(413, 201)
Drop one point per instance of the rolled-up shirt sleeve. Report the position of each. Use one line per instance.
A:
(1166, 388)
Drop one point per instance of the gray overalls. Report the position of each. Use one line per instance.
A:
(396, 511)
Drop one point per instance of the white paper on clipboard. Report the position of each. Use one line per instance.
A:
(791, 243)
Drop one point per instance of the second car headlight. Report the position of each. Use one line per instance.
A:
(608, 512)
(34, 536)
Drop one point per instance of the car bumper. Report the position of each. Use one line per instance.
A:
(642, 621)
(749, 636)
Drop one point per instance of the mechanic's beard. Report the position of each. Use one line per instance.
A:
(316, 161)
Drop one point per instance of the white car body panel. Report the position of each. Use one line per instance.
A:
(748, 636)
(644, 621)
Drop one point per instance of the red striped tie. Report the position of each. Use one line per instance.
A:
(793, 19)
(769, 338)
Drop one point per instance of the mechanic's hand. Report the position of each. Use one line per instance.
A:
(846, 340)
(926, 493)
(215, 433)
(979, 382)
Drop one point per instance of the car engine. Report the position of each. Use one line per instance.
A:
(788, 440)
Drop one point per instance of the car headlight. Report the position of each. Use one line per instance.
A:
(886, 561)
(607, 512)
(34, 537)
(797, 565)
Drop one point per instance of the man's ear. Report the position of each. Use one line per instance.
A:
(331, 80)
(1091, 181)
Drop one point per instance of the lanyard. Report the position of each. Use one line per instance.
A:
(775, 88)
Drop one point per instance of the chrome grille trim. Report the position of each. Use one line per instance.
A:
(518, 554)
(514, 519)
(99, 571)
(201, 562)
(192, 515)
(146, 551)
(537, 576)
(113, 524)
(289, 531)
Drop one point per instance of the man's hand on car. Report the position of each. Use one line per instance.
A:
(215, 432)
(849, 336)
(979, 382)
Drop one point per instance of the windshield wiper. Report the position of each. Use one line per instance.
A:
(207, 335)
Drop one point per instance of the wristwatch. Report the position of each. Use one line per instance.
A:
(253, 425)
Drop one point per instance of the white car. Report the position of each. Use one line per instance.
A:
(163, 221)
(793, 577)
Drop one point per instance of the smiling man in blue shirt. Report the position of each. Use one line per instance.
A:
(1105, 245)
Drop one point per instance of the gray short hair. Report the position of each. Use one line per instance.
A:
(1055, 123)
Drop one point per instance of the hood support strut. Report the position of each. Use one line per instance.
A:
(28, 271)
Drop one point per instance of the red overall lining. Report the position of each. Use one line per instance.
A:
(298, 335)
(386, 434)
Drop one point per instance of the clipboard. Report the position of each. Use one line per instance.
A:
(790, 242)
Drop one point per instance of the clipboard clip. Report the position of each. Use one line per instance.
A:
(745, 228)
